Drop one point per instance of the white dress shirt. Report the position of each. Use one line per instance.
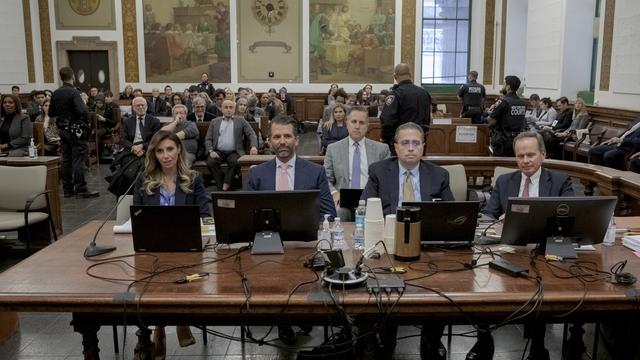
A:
(291, 171)
(364, 167)
(534, 186)
(226, 141)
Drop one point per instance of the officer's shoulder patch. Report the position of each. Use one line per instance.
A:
(389, 100)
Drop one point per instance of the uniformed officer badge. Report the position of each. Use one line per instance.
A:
(84, 7)
(389, 99)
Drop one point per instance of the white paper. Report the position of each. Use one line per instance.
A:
(123, 229)
(466, 134)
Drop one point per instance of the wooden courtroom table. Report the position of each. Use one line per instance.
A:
(55, 280)
(53, 181)
(623, 184)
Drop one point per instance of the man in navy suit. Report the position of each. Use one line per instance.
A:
(139, 127)
(415, 179)
(287, 171)
(613, 152)
(532, 180)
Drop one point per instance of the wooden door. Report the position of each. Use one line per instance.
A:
(92, 69)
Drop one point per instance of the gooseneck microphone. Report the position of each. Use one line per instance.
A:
(93, 249)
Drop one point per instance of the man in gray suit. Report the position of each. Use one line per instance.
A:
(224, 144)
(352, 155)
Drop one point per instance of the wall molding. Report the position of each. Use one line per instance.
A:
(130, 41)
(45, 43)
(489, 38)
(503, 40)
(607, 45)
(408, 45)
(28, 40)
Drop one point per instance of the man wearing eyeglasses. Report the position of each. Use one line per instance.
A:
(407, 177)
(139, 127)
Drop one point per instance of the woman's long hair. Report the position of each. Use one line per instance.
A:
(153, 169)
(327, 125)
(583, 110)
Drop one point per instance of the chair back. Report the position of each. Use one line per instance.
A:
(500, 170)
(122, 212)
(18, 183)
(457, 181)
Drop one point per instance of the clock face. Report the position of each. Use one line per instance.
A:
(270, 12)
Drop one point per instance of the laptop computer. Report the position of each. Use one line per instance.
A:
(447, 223)
(349, 198)
(158, 228)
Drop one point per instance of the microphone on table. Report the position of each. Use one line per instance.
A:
(93, 249)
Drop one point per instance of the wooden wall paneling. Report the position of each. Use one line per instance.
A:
(607, 44)
(489, 41)
(28, 38)
(130, 39)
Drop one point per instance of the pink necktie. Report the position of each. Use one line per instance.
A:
(525, 189)
(283, 179)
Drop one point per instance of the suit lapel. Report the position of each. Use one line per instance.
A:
(371, 156)
(298, 181)
(514, 184)
(344, 162)
(393, 172)
(270, 179)
(425, 194)
(545, 183)
(180, 195)
(216, 132)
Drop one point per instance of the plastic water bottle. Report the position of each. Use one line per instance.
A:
(358, 237)
(360, 213)
(337, 235)
(33, 151)
(325, 234)
(610, 236)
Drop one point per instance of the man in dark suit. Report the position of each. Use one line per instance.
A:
(407, 177)
(375, 110)
(224, 144)
(199, 114)
(158, 104)
(139, 128)
(612, 153)
(532, 180)
(300, 174)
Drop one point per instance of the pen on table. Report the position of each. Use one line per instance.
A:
(553, 257)
(192, 277)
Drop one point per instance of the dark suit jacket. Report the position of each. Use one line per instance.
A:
(159, 107)
(563, 120)
(308, 176)
(240, 127)
(383, 183)
(206, 118)
(151, 126)
(508, 185)
(373, 111)
(197, 197)
(20, 131)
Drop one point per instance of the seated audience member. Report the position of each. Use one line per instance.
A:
(168, 91)
(187, 131)
(532, 180)
(34, 108)
(230, 95)
(553, 140)
(175, 99)
(127, 94)
(190, 94)
(85, 98)
(106, 117)
(15, 91)
(139, 128)
(347, 161)
(168, 181)
(533, 114)
(224, 144)
(241, 109)
(16, 129)
(612, 153)
(330, 99)
(376, 109)
(215, 107)
(266, 106)
(287, 171)
(278, 106)
(139, 93)
(243, 92)
(157, 103)
(287, 101)
(91, 104)
(351, 100)
(563, 118)
(547, 114)
(362, 98)
(51, 135)
(407, 177)
(253, 109)
(340, 98)
(199, 114)
(335, 128)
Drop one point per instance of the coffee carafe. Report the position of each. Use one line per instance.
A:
(407, 236)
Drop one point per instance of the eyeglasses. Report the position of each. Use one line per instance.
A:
(410, 143)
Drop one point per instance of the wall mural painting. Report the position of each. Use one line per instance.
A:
(351, 40)
(184, 38)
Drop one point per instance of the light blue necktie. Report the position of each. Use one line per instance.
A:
(355, 167)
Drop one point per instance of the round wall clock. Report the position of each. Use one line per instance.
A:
(84, 7)
(270, 12)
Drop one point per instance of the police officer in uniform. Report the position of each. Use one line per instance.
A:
(507, 118)
(472, 95)
(71, 115)
(406, 103)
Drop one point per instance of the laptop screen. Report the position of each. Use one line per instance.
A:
(166, 228)
(447, 222)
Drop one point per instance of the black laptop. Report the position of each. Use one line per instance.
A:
(448, 223)
(350, 198)
(166, 228)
